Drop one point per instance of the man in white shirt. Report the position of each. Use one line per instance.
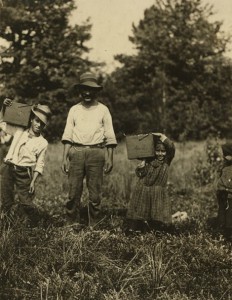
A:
(88, 132)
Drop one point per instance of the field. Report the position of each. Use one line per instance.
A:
(55, 261)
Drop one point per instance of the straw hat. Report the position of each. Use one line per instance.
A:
(43, 112)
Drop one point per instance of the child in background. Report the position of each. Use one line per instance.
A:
(149, 201)
(5, 141)
(224, 192)
(24, 161)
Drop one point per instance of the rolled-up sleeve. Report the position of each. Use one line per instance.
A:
(108, 129)
(68, 131)
(40, 161)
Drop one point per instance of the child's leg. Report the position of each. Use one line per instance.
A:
(228, 220)
(222, 204)
(7, 187)
(23, 178)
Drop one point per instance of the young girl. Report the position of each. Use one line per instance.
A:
(24, 160)
(149, 201)
(224, 192)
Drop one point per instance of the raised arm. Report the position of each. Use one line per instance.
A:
(169, 145)
(6, 102)
(170, 150)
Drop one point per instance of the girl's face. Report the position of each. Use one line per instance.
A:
(160, 152)
(37, 125)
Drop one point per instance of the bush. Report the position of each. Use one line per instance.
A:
(207, 166)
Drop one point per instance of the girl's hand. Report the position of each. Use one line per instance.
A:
(160, 135)
(142, 164)
(7, 102)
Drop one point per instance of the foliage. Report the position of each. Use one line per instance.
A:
(206, 169)
(178, 80)
(55, 261)
(43, 56)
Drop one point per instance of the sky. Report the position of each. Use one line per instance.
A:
(112, 24)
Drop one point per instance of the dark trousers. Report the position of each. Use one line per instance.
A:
(15, 179)
(224, 209)
(3, 152)
(85, 163)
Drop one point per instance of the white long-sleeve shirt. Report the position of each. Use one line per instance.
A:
(89, 126)
(27, 151)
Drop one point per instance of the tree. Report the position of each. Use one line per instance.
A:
(168, 84)
(44, 54)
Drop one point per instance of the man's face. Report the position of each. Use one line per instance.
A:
(88, 94)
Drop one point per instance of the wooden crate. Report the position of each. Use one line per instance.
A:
(17, 114)
(140, 146)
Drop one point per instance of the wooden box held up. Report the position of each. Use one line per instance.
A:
(140, 146)
(17, 114)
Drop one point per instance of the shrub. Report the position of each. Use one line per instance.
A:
(208, 164)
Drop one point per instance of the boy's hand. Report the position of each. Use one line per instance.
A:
(7, 102)
(32, 188)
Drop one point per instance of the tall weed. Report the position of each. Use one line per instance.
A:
(58, 262)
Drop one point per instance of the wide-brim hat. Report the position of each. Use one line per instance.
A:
(88, 80)
(43, 112)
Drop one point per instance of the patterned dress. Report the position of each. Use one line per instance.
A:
(149, 200)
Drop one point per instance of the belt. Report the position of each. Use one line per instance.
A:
(19, 168)
(100, 145)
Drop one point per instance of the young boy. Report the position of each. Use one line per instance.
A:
(224, 192)
(24, 161)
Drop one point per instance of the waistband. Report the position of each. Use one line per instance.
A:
(100, 145)
(19, 168)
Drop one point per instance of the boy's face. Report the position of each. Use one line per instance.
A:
(88, 94)
(160, 152)
(37, 125)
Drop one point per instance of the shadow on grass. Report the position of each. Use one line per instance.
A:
(114, 219)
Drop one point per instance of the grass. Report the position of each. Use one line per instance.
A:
(53, 261)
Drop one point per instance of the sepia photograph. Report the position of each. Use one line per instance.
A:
(115, 150)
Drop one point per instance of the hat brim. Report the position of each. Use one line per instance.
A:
(40, 115)
(89, 84)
